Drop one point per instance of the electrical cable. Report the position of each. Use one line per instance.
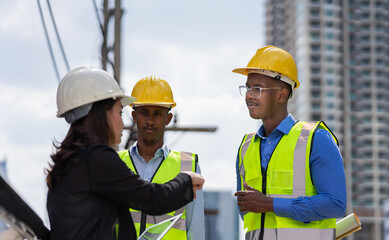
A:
(48, 41)
(98, 16)
(57, 34)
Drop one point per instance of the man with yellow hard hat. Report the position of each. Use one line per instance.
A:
(151, 159)
(290, 175)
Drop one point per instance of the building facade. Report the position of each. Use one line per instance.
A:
(221, 216)
(342, 51)
(3, 174)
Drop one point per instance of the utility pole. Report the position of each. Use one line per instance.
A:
(175, 128)
(106, 49)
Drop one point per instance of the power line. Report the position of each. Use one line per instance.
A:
(98, 17)
(57, 34)
(48, 42)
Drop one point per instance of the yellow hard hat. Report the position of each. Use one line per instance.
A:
(153, 91)
(273, 62)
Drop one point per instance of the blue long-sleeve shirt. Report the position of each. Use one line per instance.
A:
(327, 172)
(195, 229)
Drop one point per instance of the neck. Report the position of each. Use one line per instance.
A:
(148, 150)
(271, 123)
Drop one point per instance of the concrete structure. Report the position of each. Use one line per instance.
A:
(342, 51)
(3, 174)
(221, 216)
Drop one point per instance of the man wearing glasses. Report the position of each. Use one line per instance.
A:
(290, 175)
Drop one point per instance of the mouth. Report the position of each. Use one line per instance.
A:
(252, 104)
(149, 130)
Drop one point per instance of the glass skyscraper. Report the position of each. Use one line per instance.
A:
(342, 51)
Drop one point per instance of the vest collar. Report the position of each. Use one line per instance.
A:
(163, 151)
(284, 127)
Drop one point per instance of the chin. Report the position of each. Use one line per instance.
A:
(255, 116)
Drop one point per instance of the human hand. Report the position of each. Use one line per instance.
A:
(253, 200)
(197, 181)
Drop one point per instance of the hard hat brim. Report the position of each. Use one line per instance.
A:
(166, 105)
(242, 71)
(124, 100)
(272, 74)
(127, 100)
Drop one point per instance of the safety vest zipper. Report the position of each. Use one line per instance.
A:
(143, 219)
(263, 214)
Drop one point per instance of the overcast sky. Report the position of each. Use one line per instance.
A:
(193, 45)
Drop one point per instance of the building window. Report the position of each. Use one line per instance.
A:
(315, 70)
(315, 93)
(329, 24)
(330, 70)
(329, 35)
(365, 4)
(366, 61)
(330, 58)
(330, 82)
(329, 47)
(329, 12)
(315, 82)
(315, 47)
(330, 94)
(315, 36)
(315, 13)
(367, 120)
(365, 16)
(380, 63)
(366, 73)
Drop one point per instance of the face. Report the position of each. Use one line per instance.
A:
(265, 106)
(151, 122)
(115, 119)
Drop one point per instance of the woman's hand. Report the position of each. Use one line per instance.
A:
(197, 181)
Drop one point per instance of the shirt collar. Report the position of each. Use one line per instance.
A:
(163, 151)
(284, 127)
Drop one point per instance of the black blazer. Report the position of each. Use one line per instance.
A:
(97, 191)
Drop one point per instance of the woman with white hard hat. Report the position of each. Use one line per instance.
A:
(90, 188)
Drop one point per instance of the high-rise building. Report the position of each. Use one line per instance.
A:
(3, 174)
(342, 51)
(221, 216)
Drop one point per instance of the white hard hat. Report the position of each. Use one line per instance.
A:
(86, 85)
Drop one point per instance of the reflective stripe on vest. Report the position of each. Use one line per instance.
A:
(245, 146)
(292, 234)
(174, 163)
(289, 178)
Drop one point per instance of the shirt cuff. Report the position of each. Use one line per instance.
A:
(282, 207)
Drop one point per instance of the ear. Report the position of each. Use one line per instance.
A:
(169, 118)
(133, 114)
(283, 95)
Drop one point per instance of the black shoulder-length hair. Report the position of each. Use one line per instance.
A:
(91, 129)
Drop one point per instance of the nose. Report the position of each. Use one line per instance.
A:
(149, 121)
(249, 95)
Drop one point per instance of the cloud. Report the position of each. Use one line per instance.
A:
(193, 45)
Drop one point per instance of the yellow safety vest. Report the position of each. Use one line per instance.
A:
(287, 176)
(170, 167)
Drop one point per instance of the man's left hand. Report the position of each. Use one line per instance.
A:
(253, 200)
